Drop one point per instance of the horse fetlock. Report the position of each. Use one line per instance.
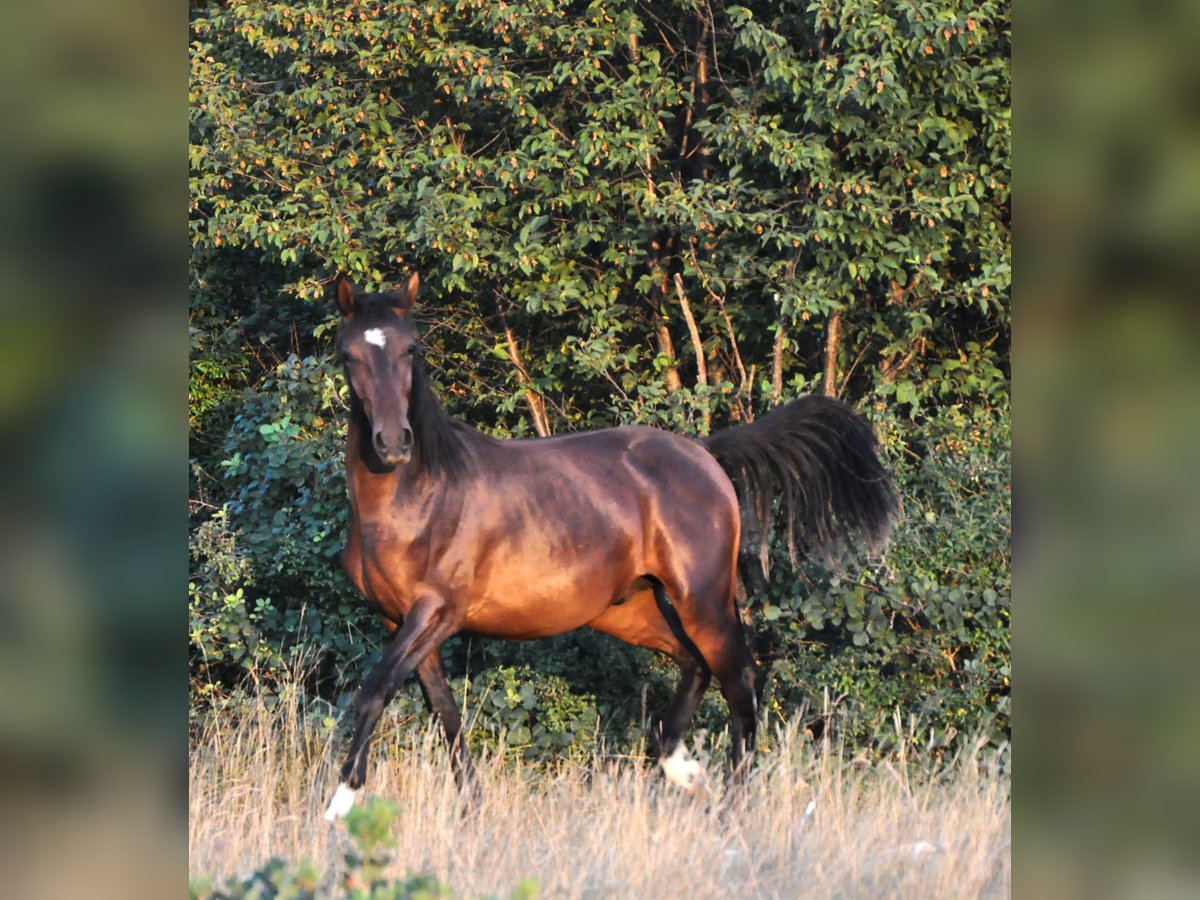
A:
(343, 800)
(683, 771)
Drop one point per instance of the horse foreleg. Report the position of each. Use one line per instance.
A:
(426, 625)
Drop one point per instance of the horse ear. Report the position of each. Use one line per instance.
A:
(404, 299)
(345, 295)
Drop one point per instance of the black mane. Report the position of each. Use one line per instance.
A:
(439, 448)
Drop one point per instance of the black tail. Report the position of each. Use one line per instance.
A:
(820, 459)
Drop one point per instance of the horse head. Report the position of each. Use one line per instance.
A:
(378, 348)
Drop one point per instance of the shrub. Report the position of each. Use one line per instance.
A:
(926, 632)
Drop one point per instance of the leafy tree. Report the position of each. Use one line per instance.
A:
(674, 213)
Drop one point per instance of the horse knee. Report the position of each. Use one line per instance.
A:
(368, 704)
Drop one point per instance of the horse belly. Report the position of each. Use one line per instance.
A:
(529, 605)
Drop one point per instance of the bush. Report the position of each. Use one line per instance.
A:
(927, 632)
(267, 587)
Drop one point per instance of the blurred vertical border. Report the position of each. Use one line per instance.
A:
(93, 449)
(1107, 423)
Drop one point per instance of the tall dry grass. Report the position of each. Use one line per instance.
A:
(815, 823)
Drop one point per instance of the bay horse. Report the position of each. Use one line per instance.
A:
(632, 531)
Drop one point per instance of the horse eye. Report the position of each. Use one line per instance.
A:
(412, 351)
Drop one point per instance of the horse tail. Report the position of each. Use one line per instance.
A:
(820, 459)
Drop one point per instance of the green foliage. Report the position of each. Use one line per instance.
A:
(927, 632)
(535, 713)
(549, 168)
(369, 825)
(529, 160)
(266, 584)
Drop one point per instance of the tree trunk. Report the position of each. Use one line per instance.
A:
(667, 349)
(833, 337)
(777, 364)
(697, 346)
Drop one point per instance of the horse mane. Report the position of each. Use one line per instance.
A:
(439, 445)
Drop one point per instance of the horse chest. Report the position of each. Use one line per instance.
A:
(395, 569)
(388, 573)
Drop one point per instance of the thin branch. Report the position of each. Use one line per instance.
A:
(853, 366)
(720, 301)
(777, 364)
(747, 403)
(697, 345)
(537, 407)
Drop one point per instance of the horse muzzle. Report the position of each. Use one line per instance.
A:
(395, 450)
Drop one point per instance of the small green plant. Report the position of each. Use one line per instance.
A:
(370, 827)
(277, 879)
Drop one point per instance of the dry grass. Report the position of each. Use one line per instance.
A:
(609, 829)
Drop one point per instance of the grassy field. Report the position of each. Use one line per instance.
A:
(816, 824)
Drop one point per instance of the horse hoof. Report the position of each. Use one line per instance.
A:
(340, 804)
(683, 771)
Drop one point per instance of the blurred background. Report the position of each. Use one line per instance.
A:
(1107, 418)
(93, 348)
(93, 354)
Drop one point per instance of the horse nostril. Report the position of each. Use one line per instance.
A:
(399, 445)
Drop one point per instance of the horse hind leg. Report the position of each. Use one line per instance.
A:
(677, 765)
(638, 622)
(435, 686)
(739, 677)
(716, 636)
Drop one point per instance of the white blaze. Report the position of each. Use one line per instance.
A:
(340, 804)
(375, 336)
(683, 771)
